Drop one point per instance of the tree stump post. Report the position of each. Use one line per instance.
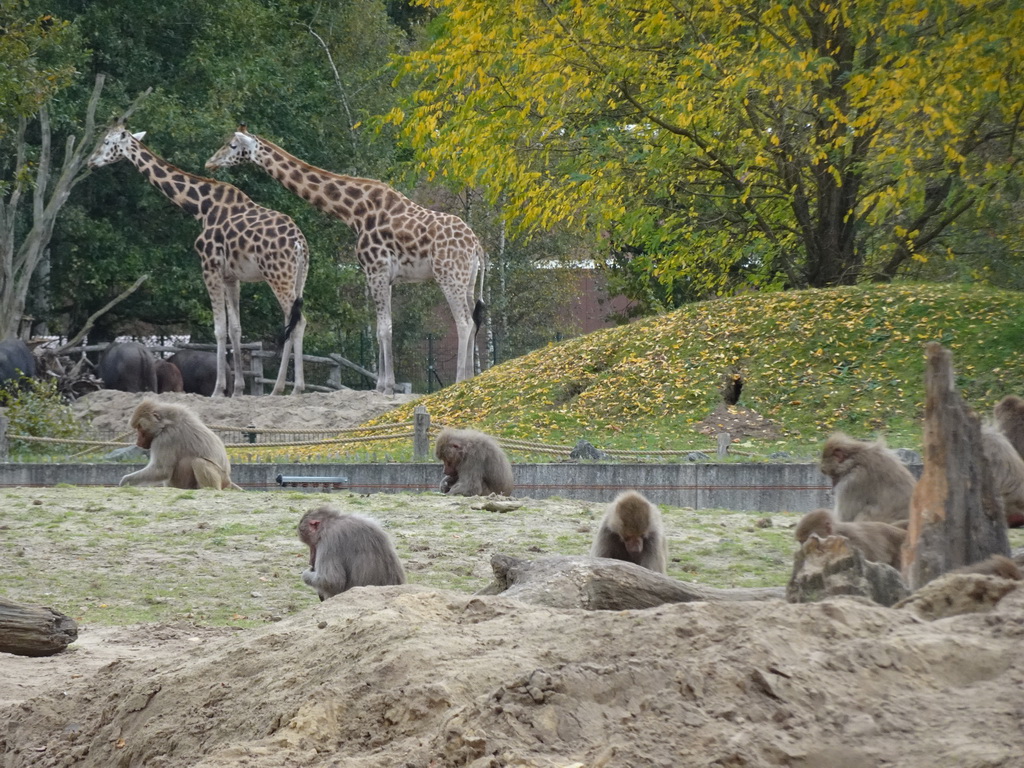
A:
(421, 433)
(956, 518)
(4, 445)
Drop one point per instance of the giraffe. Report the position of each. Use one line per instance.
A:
(241, 242)
(398, 241)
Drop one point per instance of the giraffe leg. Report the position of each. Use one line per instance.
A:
(296, 338)
(460, 302)
(215, 287)
(233, 292)
(380, 288)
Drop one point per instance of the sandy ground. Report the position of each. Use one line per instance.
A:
(109, 410)
(423, 678)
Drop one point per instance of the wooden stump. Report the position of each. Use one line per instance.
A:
(830, 567)
(956, 516)
(28, 630)
(602, 584)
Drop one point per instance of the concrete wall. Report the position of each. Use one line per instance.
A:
(754, 487)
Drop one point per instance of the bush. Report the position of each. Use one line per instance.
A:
(34, 407)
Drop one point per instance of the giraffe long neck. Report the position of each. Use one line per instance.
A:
(195, 195)
(345, 197)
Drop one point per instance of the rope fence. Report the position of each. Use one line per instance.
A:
(420, 431)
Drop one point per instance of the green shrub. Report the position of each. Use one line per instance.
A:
(34, 407)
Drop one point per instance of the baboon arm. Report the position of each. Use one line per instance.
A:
(331, 582)
(465, 487)
(148, 475)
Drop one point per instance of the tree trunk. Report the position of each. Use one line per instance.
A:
(956, 517)
(28, 630)
(46, 191)
(601, 584)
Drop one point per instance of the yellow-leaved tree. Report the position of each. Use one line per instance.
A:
(800, 143)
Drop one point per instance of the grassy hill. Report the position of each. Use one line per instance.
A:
(812, 362)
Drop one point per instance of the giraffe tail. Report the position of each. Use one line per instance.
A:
(293, 320)
(480, 309)
(478, 314)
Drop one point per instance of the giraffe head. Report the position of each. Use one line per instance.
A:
(240, 148)
(113, 146)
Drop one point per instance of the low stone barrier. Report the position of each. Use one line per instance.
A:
(699, 485)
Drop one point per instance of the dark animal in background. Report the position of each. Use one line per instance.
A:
(128, 367)
(632, 531)
(474, 463)
(878, 542)
(868, 481)
(168, 377)
(199, 371)
(1009, 418)
(16, 360)
(347, 551)
(1007, 468)
(996, 565)
(183, 452)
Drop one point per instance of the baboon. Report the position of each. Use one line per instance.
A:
(868, 481)
(183, 452)
(1009, 418)
(631, 531)
(996, 565)
(474, 463)
(168, 377)
(878, 542)
(1007, 469)
(347, 551)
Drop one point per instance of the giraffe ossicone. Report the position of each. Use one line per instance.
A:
(241, 242)
(397, 241)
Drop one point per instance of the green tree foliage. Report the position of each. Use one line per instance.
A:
(304, 74)
(799, 143)
(34, 61)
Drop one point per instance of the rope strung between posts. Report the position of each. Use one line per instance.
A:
(376, 433)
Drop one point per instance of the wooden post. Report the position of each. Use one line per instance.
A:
(4, 445)
(956, 517)
(421, 433)
(724, 441)
(256, 367)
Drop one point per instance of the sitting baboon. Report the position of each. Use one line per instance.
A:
(868, 481)
(347, 551)
(631, 531)
(878, 542)
(1009, 418)
(183, 452)
(474, 463)
(1007, 468)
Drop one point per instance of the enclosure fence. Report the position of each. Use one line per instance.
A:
(249, 442)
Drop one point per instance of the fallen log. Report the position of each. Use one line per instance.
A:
(29, 630)
(603, 584)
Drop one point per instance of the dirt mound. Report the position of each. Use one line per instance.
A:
(109, 410)
(739, 422)
(407, 676)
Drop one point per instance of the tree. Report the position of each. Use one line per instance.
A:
(32, 64)
(35, 181)
(792, 144)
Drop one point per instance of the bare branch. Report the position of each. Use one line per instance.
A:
(103, 310)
